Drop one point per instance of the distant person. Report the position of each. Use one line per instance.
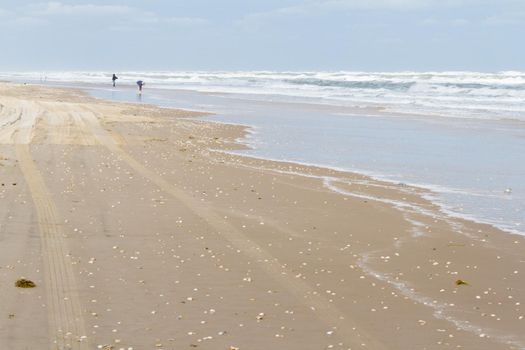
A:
(140, 84)
(114, 80)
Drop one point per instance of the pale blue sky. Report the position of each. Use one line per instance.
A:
(381, 35)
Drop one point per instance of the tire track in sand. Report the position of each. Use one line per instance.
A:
(66, 325)
(346, 329)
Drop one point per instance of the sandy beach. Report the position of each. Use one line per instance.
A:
(141, 232)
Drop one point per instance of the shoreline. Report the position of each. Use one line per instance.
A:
(410, 255)
(447, 208)
(454, 207)
(428, 191)
(425, 192)
(479, 234)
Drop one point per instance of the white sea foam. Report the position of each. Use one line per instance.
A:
(449, 94)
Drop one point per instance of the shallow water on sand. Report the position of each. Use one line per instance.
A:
(469, 164)
(475, 167)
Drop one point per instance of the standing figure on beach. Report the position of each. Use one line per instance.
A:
(140, 84)
(114, 80)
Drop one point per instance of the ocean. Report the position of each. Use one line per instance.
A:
(447, 94)
(459, 134)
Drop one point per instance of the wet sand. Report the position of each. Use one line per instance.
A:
(140, 232)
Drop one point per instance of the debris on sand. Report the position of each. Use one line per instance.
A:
(23, 283)
(106, 347)
(461, 283)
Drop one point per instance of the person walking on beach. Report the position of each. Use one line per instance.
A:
(114, 80)
(140, 84)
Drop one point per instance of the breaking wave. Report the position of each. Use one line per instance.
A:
(447, 94)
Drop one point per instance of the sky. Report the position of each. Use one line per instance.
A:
(354, 35)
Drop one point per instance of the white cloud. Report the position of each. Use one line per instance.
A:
(312, 7)
(57, 8)
(316, 6)
(401, 4)
(507, 18)
(5, 13)
(117, 16)
(459, 22)
(187, 21)
(455, 22)
(139, 24)
(374, 4)
(429, 22)
(12, 19)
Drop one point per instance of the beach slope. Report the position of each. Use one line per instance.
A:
(141, 232)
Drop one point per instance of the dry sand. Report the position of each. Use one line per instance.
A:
(141, 233)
